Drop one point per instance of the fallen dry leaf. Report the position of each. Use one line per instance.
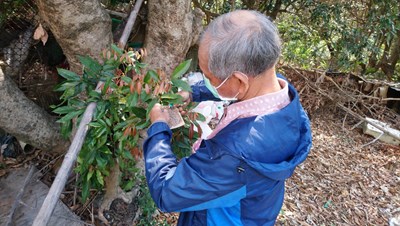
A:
(41, 33)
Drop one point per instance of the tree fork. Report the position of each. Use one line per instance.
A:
(38, 127)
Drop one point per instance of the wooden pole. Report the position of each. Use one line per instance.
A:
(58, 185)
(129, 25)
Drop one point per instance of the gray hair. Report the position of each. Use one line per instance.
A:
(250, 47)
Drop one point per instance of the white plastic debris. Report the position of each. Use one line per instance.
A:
(379, 134)
(211, 110)
(194, 77)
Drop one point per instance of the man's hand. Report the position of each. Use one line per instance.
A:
(187, 98)
(159, 113)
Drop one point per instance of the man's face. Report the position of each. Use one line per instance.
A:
(203, 63)
(228, 88)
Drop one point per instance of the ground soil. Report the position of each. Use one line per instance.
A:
(345, 180)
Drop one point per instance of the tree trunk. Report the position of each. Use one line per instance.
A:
(394, 56)
(173, 27)
(275, 10)
(25, 120)
(81, 27)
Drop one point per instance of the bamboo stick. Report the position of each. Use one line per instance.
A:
(58, 185)
(129, 25)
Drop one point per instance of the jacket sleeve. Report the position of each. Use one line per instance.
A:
(201, 93)
(195, 183)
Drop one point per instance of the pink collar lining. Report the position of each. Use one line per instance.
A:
(260, 105)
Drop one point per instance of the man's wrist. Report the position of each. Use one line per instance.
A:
(159, 120)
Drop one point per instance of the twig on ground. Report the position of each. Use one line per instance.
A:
(373, 141)
(115, 13)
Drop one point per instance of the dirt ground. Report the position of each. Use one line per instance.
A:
(345, 180)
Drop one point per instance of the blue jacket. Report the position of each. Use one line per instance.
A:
(235, 178)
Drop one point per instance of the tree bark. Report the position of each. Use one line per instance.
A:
(23, 119)
(173, 27)
(81, 27)
(394, 56)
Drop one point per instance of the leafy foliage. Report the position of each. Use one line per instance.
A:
(361, 37)
(9, 7)
(124, 99)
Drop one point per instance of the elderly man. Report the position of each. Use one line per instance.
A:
(237, 175)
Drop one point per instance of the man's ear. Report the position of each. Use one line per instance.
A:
(243, 82)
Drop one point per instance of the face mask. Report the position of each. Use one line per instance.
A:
(214, 91)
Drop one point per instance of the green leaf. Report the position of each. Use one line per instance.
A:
(201, 117)
(89, 175)
(170, 96)
(181, 69)
(64, 110)
(128, 186)
(150, 106)
(120, 125)
(101, 162)
(70, 116)
(143, 124)
(99, 177)
(66, 85)
(91, 155)
(80, 87)
(108, 122)
(109, 73)
(66, 129)
(139, 112)
(85, 190)
(106, 85)
(127, 155)
(95, 124)
(145, 97)
(101, 109)
(91, 65)
(182, 145)
(132, 100)
(101, 141)
(116, 49)
(151, 75)
(69, 75)
(108, 67)
(68, 93)
(105, 150)
(94, 94)
(181, 84)
(171, 99)
(126, 79)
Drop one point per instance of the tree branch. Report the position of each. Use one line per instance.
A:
(207, 12)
